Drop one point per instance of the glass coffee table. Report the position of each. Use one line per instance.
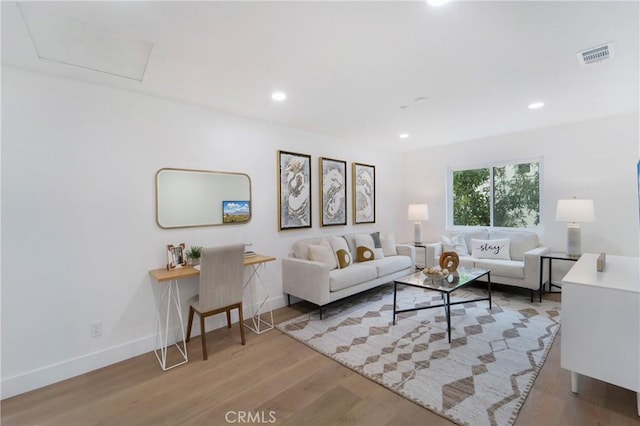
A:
(462, 277)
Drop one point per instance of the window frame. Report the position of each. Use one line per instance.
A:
(491, 165)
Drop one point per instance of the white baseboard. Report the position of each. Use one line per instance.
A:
(12, 386)
(35, 379)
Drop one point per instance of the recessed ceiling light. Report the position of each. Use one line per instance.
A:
(278, 96)
(404, 107)
(403, 135)
(437, 3)
(536, 105)
(420, 99)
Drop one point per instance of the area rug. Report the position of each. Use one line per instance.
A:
(481, 378)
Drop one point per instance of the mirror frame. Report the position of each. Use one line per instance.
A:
(157, 190)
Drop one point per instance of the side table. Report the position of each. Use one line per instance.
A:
(550, 256)
(419, 247)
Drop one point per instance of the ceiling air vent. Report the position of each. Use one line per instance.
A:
(596, 54)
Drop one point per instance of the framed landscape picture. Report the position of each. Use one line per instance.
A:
(236, 211)
(333, 192)
(364, 193)
(294, 190)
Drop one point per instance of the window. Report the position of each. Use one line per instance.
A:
(503, 195)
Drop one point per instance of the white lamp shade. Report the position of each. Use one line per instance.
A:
(575, 210)
(418, 212)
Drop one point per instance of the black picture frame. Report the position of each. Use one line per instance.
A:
(294, 190)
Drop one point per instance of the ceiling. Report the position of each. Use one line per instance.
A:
(348, 68)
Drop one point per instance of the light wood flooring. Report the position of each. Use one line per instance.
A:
(275, 379)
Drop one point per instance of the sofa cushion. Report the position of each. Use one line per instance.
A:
(455, 243)
(323, 253)
(388, 242)
(301, 247)
(465, 261)
(478, 234)
(502, 268)
(365, 254)
(490, 249)
(520, 242)
(366, 248)
(354, 274)
(341, 249)
(391, 264)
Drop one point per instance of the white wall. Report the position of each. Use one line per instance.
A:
(78, 214)
(594, 159)
(78, 219)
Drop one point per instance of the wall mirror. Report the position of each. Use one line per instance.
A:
(187, 198)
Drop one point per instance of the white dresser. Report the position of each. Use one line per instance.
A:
(601, 322)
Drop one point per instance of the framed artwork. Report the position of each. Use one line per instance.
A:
(364, 193)
(294, 190)
(236, 211)
(176, 256)
(333, 192)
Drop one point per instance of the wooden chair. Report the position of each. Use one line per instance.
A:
(221, 282)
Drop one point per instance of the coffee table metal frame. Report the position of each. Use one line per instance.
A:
(461, 278)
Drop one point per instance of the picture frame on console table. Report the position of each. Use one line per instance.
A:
(364, 193)
(333, 192)
(176, 256)
(294, 190)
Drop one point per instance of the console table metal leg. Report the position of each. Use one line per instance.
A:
(256, 320)
(170, 299)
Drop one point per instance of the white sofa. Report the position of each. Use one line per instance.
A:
(521, 268)
(323, 282)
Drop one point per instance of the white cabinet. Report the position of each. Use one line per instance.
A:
(601, 322)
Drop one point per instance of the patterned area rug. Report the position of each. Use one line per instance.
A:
(482, 378)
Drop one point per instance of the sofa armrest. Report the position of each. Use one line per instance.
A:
(433, 251)
(306, 279)
(532, 267)
(407, 250)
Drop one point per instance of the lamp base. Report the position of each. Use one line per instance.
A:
(417, 233)
(574, 240)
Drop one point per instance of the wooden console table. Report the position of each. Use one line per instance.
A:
(170, 308)
(600, 320)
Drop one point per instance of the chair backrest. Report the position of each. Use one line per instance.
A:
(221, 276)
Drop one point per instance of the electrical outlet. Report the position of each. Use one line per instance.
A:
(96, 329)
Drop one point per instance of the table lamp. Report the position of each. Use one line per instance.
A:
(418, 213)
(574, 211)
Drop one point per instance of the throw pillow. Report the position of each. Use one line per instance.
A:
(388, 242)
(323, 253)
(365, 254)
(377, 243)
(376, 239)
(490, 249)
(344, 258)
(341, 250)
(366, 241)
(455, 243)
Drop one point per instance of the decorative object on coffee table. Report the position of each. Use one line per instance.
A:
(449, 260)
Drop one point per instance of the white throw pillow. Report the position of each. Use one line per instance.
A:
(455, 243)
(388, 242)
(323, 253)
(490, 249)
